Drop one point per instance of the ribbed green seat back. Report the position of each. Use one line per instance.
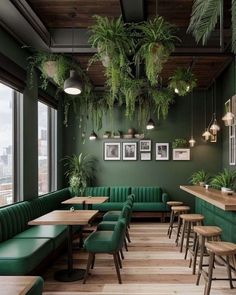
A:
(147, 194)
(52, 201)
(119, 234)
(119, 193)
(14, 219)
(102, 191)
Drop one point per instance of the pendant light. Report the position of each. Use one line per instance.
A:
(206, 134)
(73, 85)
(192, 141)
(150, 125)
(93, 136)
(215, 126)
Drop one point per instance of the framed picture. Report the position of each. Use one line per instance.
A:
(145, 145)
(129, 150)
(145, 156)
(162, 151)
(181, 154)
(112, 151)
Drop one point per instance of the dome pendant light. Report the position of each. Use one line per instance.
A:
(72, 85)
(150, 125)
(228, 119)
(93, 136)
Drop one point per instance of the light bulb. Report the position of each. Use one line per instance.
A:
(206, 134)
(150, 125)
(187, 88)
(93, 136)
(228, 119)
(215, 127)
(192, 142)
(176, 90)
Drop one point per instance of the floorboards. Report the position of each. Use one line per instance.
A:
(153, 265)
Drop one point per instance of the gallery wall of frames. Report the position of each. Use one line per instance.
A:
(144, 150)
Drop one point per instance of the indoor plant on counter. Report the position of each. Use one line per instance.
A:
(225, 180)
(199, 178)
(80, 171)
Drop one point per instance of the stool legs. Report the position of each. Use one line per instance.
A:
(182, 236)
(210, 272)
(187, 239)
(229, 272)
(202, 249)
(169, 232)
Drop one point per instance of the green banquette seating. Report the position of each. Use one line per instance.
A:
(24, 247)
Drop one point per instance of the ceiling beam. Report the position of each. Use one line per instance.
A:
(132, 10)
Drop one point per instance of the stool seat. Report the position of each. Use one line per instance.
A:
(221, 248)
(207, 231)
(192, 217)
(180, 208)
(174, 203)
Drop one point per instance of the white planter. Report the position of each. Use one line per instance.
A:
(225, 190)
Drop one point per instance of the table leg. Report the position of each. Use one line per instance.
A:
(70, 274)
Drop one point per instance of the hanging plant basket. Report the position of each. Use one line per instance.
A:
(182, 82)
(50, 68)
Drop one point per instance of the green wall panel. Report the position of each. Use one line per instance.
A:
(166, 174)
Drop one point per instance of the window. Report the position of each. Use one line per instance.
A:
(47, 120)
(10, 103)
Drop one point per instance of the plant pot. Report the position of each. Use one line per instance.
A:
(202, 183)
(50, 68)
(225, 190)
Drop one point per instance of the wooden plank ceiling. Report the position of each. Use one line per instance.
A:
(206, 67)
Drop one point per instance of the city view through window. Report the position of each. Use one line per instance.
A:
(6, 145)
(43, 160)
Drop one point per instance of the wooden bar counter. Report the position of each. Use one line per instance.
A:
(218, 208)
(212, 196)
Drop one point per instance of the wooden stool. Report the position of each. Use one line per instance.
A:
(172, 216)
(204, 233)
(177, 211)
(221, 249)
(189, 221)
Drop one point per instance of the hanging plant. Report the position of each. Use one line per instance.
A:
(182, 82)
(155, 45)
(112, 39)
(143, 111)
(131, 89)
(162, 100)
(96, 110)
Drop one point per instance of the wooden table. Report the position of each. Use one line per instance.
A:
(212, 196)
(16, 285)
(69, 218)
(85, 200)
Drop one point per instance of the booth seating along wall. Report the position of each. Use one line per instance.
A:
(24, 247)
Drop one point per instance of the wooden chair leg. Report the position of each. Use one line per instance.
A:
(117, 267)
(229, 272)
(90, 259)
(178, 230)
(122, 254)
(126, 246)
(169, 232)
(93, 262)
(196, 242)
(119, 260)
(209, 275)
(127, 235)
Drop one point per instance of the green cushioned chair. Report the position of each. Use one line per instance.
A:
(37, 288)
(110, 242)
(21, 256)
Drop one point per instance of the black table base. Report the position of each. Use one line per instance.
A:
(65, 276)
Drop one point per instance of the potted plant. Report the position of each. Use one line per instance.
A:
(80, 171)
(155, 45)
(182, 82)
(224, 180)
(199, 178)
(179, 143)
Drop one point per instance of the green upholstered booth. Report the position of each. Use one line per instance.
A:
(24, 247)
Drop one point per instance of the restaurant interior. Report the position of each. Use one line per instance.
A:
(117, 147)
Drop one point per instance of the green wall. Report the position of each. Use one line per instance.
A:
(166, 174)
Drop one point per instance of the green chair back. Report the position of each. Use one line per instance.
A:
(119, 234)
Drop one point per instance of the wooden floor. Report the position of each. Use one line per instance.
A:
(153, 265)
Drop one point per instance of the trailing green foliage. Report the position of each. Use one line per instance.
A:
(156, 42)
(182, 82)
(199, 176)
(226, 178)
(162, 99)
(179, 143)
(80, 170)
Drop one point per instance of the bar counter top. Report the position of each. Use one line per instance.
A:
(212, 196)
